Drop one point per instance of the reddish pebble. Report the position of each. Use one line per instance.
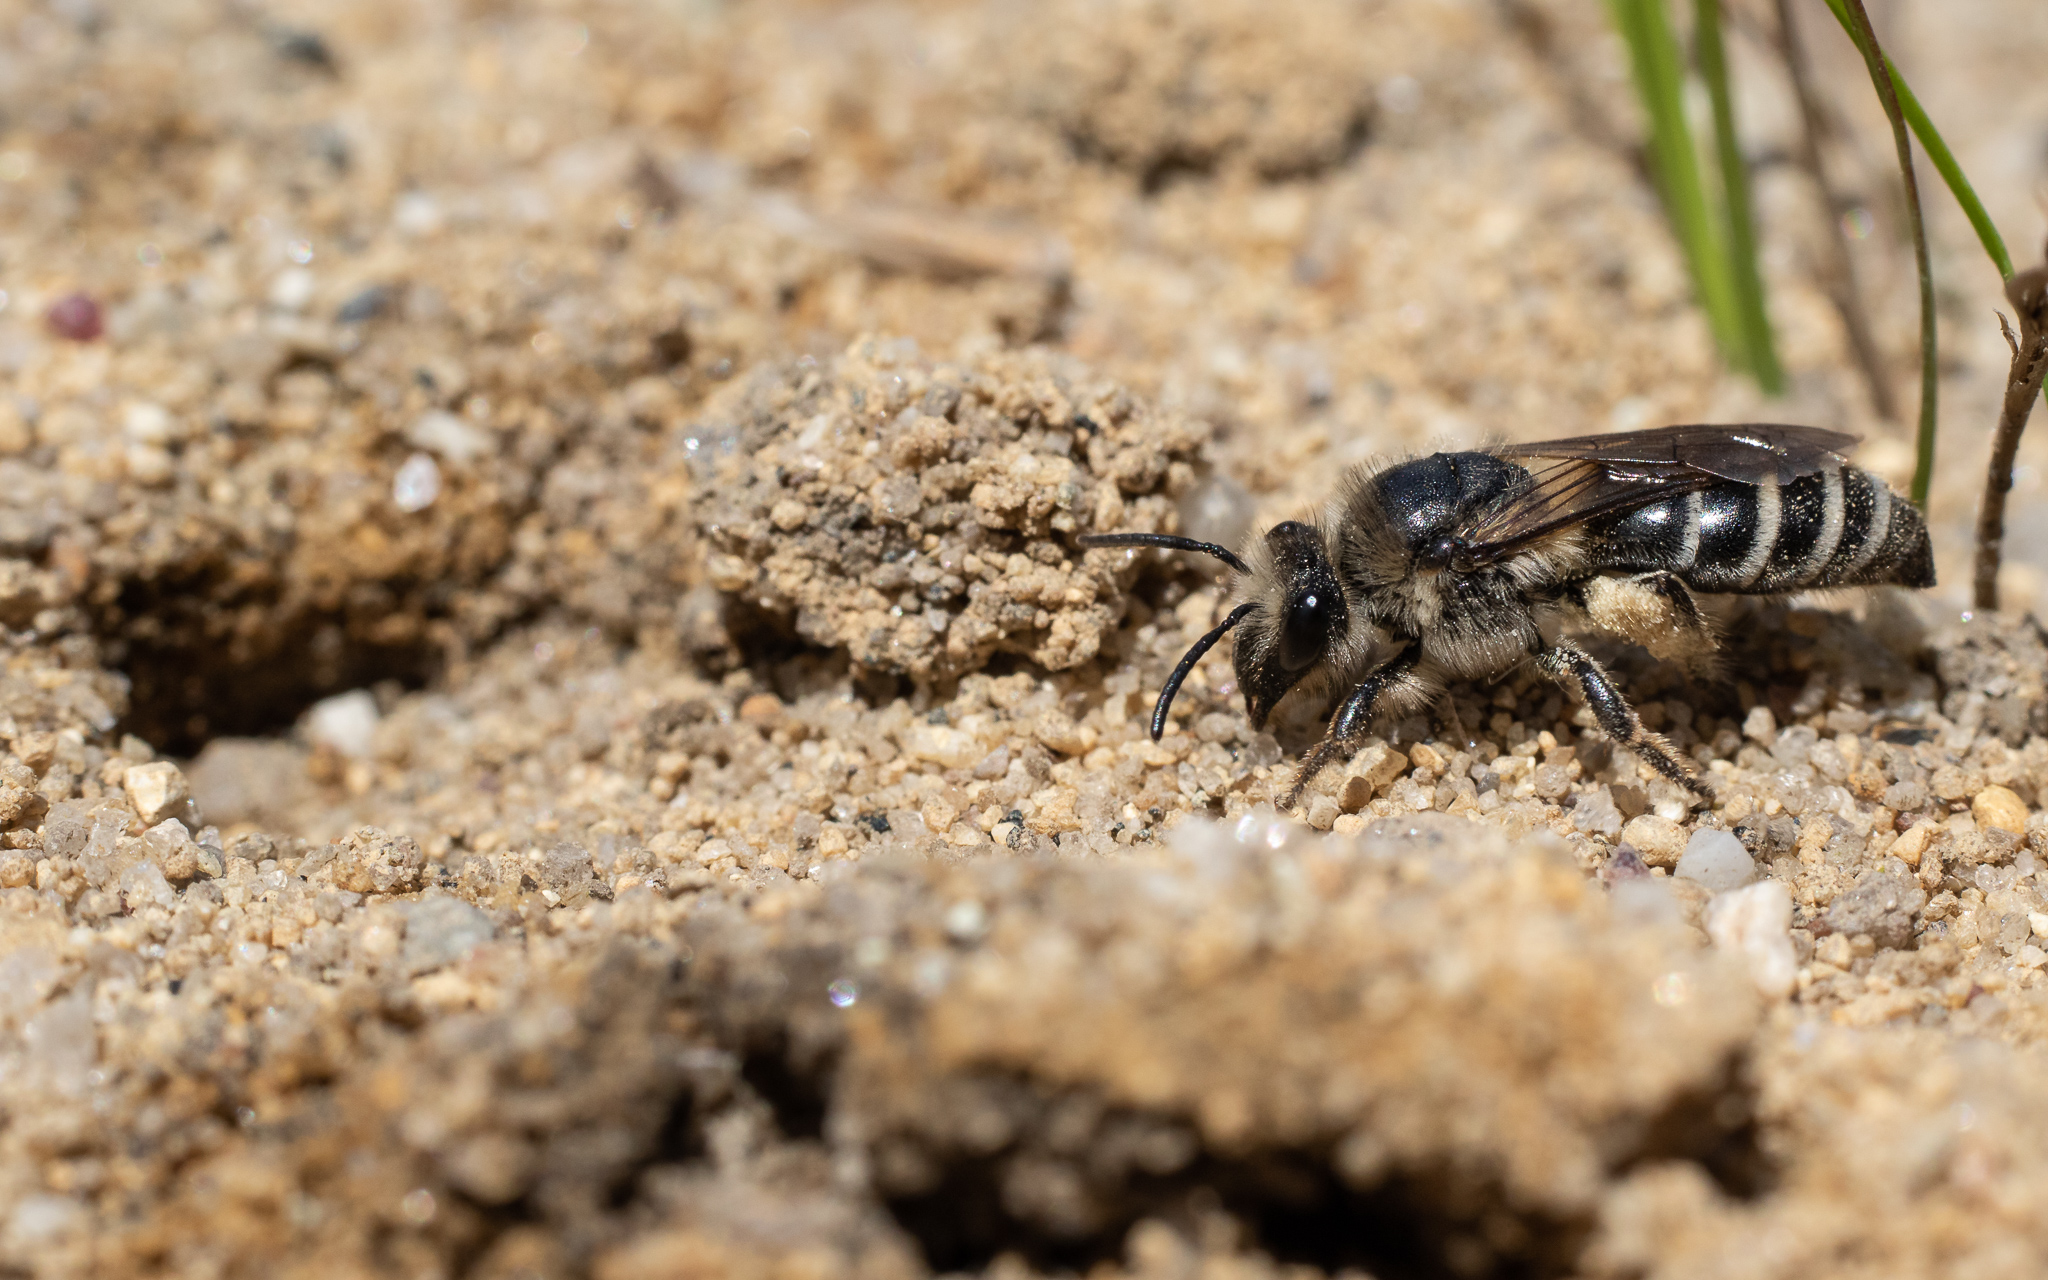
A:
(76, 317)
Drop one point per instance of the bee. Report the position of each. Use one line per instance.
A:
(1460, 566)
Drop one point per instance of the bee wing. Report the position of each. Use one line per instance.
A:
(1749, 452)
(1573, 481)
(1566, 493)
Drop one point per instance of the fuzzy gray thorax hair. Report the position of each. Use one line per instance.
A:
(1473, 623)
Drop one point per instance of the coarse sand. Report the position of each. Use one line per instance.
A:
(555, 723)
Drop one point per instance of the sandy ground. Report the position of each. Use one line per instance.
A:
(556, 726)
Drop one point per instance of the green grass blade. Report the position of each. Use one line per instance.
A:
(1952, 174)
(1857, 22)
(1938, 152)
(1745, 279)
(1659, 80)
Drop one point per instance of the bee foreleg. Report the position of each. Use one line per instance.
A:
(1355, 716)
(1570, 665)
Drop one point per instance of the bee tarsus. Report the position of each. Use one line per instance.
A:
(1458, 566)
(1572, 666)
(1353, 717)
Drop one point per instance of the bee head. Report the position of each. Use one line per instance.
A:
(1296, 612)
(1299, 611)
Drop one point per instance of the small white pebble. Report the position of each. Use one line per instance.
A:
(1673, 808)
(416, 214)
(1760, 725)
(417, 484)
(346, 722)
(292, 289)
(146, 423)
(966, 920)
(1756, 922)
(1716, 861)
(155, 790)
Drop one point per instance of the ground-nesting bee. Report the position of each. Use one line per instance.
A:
(1458, 566)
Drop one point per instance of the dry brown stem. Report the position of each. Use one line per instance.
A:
(2028, 293)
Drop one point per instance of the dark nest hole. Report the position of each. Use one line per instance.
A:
(798, 1098)
(187, 689)
(1288, 1205)
(766, 645)
(1717, 1129)
(1429, 1223)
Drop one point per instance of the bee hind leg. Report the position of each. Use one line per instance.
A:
(1655, 611)
(1354, 717)
(1572, 666)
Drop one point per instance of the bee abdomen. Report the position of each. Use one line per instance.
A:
(1884, 539)
(1839, 527)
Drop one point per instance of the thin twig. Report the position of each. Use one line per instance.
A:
(1843, 289)
(2028, 294)
(1880, 77)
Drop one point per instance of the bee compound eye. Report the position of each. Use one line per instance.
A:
(1305, 631)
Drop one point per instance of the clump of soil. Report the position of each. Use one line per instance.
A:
(922, 518)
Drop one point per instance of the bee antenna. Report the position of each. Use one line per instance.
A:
(1187, 664)
(1170, 541)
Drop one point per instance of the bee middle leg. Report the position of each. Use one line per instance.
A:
(1354, 717)
(1570, 666)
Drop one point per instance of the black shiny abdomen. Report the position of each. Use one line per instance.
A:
(1650, 537)
(1728, 532)
(1826, 529)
